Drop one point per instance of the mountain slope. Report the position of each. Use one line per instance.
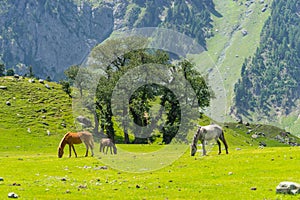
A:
(269, 88)
(50, 35)
(53, 35)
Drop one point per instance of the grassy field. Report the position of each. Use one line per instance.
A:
(31, 169)
(30, 166)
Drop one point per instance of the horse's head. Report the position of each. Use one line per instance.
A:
(60, 152)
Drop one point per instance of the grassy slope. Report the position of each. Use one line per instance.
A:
(228, 48)
(30, 159)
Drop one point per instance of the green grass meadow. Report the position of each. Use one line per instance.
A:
(31, 169)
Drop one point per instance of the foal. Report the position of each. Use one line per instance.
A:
(76, 138)
(107, 142)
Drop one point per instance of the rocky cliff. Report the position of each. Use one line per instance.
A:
(50, 35)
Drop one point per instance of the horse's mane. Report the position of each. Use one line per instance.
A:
(196, 136)
(63, 139)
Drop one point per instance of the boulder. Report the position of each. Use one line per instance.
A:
(13, 195)
(84, 121)
(47, 86)
(2, 87)
(287, 187)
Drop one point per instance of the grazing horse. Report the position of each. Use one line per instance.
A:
(107, 142)
(205, 133)
(76, 138)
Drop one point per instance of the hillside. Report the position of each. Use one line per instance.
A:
(269, 86)
(35, 110)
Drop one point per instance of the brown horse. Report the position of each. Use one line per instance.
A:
(76, 138)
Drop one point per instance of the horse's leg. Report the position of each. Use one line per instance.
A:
(110, 149)
(74, 151)
(87, 149)
(92, 150)
(224, 142)
(203, 147)
(106, 149)
(219, 144)
(70, 150)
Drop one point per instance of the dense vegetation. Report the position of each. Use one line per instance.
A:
(270, 79)
(193, 18)
(141, 100)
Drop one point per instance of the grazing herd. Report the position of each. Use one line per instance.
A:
(203, 133)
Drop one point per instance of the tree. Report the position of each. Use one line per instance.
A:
(2, 69)
(31, 74)
(10, 72)
(66, 87)
(72, 72)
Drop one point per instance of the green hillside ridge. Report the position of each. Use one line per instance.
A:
(33, 106)
(39, 109)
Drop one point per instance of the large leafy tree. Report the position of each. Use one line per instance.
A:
(113, 63)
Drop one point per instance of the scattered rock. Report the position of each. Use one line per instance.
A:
(16, 76)
(8, 103)
(31, 80)
(262, 143)
(13, 195)
(63, 125)
(100, 167)
(63, 179)
(244, 32)
(254, 136)
(47, 86)
(82, 187)
(16, 184)
(238, 149)
(137, 186)
(41, 81)
(287, 187)
(263, 9)
(2, 87)
(253, 188)
(45, 123)
(1, 179)
(84, 121)
(230, 173)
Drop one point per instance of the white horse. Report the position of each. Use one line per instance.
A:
(205, 133)
(108, 143)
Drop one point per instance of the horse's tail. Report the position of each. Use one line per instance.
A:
(92, 142)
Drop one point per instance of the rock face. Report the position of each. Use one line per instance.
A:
(50, 35)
